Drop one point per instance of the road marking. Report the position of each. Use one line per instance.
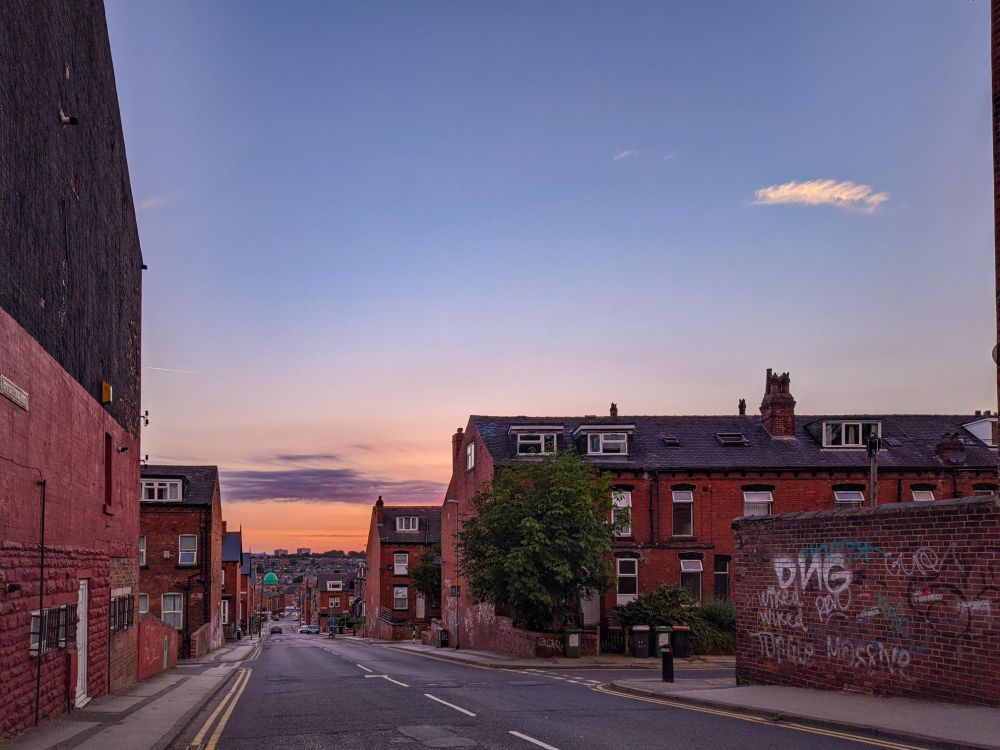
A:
(229, 712)
(243, 675)
(452, 705)
(761, 720)
(364, 667)
(387, 677)
(533, 741)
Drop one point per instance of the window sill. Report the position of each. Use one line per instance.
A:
(683, 538)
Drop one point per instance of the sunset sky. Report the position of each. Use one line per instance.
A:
(365, 221)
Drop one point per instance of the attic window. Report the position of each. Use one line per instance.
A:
(162, 489)
(849, 434)
(535, 443)
(672, 442)
(407, 523)
(729, 439)
(607, 443)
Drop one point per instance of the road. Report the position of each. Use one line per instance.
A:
(306, 691)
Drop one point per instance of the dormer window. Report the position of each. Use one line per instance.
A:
(407, 523)
(607, 443)
(162, 489)
(849, 434)
(535, 443)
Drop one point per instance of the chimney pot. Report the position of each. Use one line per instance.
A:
(614, 409)
(978, 413)
(743, 407)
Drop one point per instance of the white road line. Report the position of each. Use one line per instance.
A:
(452, 705)
(533, 741)
(364, 667)
(387, 677)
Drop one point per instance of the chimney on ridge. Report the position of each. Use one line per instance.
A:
(777, 410)
(223, 527)
(379, 508)
(742, 406)
(614, 409)
(456, 448)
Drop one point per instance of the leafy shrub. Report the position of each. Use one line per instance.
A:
(721, 613)
(713, 625)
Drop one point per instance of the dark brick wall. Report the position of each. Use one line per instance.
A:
(70, 263)
(903, 599)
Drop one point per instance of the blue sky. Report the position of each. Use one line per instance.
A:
(365, 221)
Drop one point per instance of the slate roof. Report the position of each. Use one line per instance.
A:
(428, 527)
(344, 577)
(909, 441)
(232, 546)
(199, 481)
(245, 564)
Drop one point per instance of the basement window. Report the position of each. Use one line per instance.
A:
(848, 499)
(923, 496)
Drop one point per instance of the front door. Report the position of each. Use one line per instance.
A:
(81, 644)
(591, 611)
(421, 606)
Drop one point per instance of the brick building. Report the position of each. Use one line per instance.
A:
(336, 593)
(246, 592)
(70, 300)
(233, 595)
(180, 573)
(684, 479)
(397, 537)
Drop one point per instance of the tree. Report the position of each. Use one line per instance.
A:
(427, 575)
(538, 539)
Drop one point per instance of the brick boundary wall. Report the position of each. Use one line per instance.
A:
(899, 600)
(157, 642)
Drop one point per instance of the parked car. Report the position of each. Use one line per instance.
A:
(309, 629)
(275, 630)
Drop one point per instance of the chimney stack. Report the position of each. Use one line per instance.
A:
(614, 409)
(379, 511)
(223, 527)
(742, 406)
(456, 448)
(777, 410)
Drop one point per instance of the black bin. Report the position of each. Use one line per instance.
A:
(682, 641)
(640, 641)
(442, 638)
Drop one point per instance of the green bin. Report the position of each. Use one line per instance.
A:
(661, 639)
(571, 642)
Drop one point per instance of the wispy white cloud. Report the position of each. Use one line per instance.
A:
(844, 194)
(156, 201)
(624, 153)
(668, 157)
(172, 369)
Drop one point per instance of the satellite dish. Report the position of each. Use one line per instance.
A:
(996, 353)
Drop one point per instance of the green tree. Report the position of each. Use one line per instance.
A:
(427, 575)
(538, 539)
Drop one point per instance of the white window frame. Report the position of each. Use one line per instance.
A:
(545, 442)
(848, 499)
(923, 496)
(396, 598)
(598, 443)
(334, 585)
(400, 569)
(181, 551)
(172, 490)
(224, 612)
(692, 568)
(634, 564)
(621, 500)
(470, 456)
(142, 549)
(143, 604)
(407, 523)
(682, 497)
(164, 612)
(223, 578)
(336, 602)
(757, 499)
(844, 425)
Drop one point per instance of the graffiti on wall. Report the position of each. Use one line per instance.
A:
(857, 605)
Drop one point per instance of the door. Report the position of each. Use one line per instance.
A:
(591, 611)
(421, 606)
(81, 644)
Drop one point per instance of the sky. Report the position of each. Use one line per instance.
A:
(366, 221)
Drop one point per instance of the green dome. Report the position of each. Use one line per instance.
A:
(270, 580)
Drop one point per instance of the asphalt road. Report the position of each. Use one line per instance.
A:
(307, 691)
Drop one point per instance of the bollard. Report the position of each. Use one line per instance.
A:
(667, 655)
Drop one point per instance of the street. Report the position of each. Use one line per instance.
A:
(308, 691)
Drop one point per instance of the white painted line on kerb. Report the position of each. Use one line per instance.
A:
(533, 741)
(364, 667)
(451, 705)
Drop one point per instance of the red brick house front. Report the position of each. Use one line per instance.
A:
(233, 595)
(336, 593)
(398, 537)
(684, 480)
(180, 574)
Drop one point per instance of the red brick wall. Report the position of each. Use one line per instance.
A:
(897, 600)
(155, 639)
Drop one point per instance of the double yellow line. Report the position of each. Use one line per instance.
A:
(888, 744)
(225, 707)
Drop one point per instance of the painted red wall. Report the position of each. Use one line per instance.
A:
(155, 640)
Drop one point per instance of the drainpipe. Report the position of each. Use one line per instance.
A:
(41, 601)
(654, 499)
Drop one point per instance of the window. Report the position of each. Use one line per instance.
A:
(470, 456)
(171, 609)
(628, 579)
(122, 612)
(849, 434)
(721, 577)
(407, 523)
(683, 513)
(161, 489)
(142, 549)
(621, 512)
(334, 585)
(848, 498)
(52, 628)
(923, 496)
(691, 577)
(223, 578)
(530, 444)
(980, 492)
(400, 563)
(187, 549)
(225, 612)
(336, 602)
(732, 439)
(400, 599)
(143, 603)
(757, 503)
(607, 443)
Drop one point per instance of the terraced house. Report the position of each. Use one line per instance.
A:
(684, 479)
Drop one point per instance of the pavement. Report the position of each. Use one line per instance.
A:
(146, 717)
